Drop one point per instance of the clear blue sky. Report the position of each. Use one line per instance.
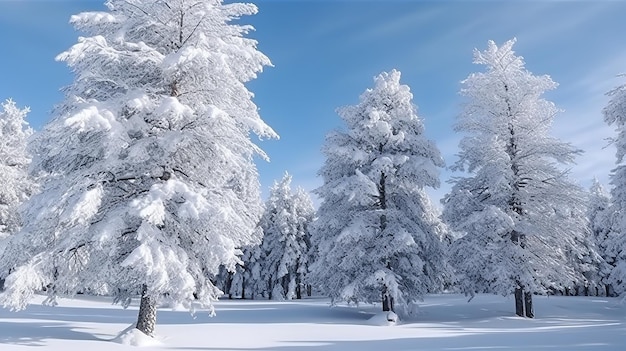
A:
(326, 54)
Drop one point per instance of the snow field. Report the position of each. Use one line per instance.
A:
(445, 322)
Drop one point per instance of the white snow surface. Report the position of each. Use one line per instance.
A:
(444, 322)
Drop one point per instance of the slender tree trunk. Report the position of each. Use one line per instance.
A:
(243, 287)
(146, 319)
(519, 302)
(528, 302)
(309, 290)
(387, 300)
(229, 285)
(298, 287)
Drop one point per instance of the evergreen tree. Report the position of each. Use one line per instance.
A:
(252, 284)
(521, 216)
(377, 234)
(151, 182)
(16, 185)
(285, 247)
(615, 116)
(600, 227)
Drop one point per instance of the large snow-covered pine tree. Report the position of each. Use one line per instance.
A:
(615, 116)
(285, 248)
(520, 214)
(16, 185)
(151, 181)
(378, 236)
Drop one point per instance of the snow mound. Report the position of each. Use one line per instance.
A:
(383, 319)
(134, 337)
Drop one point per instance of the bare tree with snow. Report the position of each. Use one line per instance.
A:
(520, 214)
(151, 181)
(378, 236)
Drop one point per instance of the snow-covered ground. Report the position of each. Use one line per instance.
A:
(445, 322)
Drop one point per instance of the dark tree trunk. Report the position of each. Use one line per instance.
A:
(298, 287)
(309, 290)
(243, 287)
(146, 319)
(298, 292)
(387, 300)
(528, 302)
(285, 284)
(519, 302)
(229, 285)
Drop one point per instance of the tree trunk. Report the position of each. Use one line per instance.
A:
(519, 302)
(229, 285)
(298, 287)
(387, 300)
(309, 290)
(146, 319)
(528, 302)
(243, 287)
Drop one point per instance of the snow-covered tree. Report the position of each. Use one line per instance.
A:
(16, 185)
(378, 235)
(285, 248)
(598, 208)
(252, 286)
(151, 181)
(615, 116)
(521, 215)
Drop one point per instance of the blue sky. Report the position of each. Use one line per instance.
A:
(326, 53)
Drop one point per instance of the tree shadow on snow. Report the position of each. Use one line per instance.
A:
(116, 314)
(36, 333)
(264, 312)
(501, 340)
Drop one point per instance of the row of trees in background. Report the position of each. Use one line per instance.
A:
(146, 183)
(515, 225)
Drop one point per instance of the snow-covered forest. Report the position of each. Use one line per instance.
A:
(143, 187)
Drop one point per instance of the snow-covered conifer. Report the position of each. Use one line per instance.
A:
(152, 184)
(15, 185)
(598, 212)
(285, 248)
(615, 116)
(378, 235)
(252, 284)
(520, 214)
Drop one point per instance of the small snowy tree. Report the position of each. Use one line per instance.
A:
(16, 185)
(252, 284)
(598, 208)
(285, 248)
(615, 116)
(521, 216)
(377, 234)
(152, 185)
